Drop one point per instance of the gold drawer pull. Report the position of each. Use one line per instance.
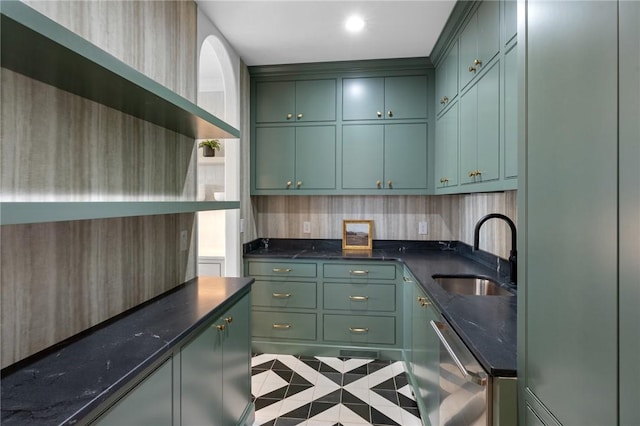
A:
(282, 326)
(423, 301)
(281, 270)
(229, 320)
(220, 327)
(359, 298)
(281, 295)
(358, 272)
(358, 330)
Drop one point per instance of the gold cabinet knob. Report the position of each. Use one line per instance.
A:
(390, 183)
(299, 184)
(472, 174)
(478, 173)
(379, 114)
(472, 69)
(229, 320)
(390, 114)
(220, 327)
(378, 183)
(288, 184)
(289, 116)
(299, 116)
(444, 100)
(444, 180)
(477, 62)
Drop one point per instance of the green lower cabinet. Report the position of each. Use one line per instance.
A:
(284, 325)
(360, 329)
(284, 294)
(425, 348)
(392, 156)
(215, 380)
(360, 297)
(149, 403)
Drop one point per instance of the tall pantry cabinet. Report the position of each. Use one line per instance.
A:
(579, 210)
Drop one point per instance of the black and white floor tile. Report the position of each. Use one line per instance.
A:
(323, 391)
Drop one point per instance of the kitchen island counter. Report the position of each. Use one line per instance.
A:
(72, 381)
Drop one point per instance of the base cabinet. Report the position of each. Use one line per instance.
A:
(215, 377)
(206, 382)
(303, 307)
(149, 403)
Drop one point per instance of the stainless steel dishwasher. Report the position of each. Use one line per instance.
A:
(465, 388)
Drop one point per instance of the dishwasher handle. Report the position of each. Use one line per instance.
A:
(479, 378)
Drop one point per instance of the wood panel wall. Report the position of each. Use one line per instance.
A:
(58, 279)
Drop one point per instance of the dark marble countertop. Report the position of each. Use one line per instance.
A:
(67, 382)
(487, 324)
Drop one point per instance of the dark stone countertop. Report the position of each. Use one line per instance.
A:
(486, 324)
(65, 383)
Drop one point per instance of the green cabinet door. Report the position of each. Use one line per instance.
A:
(405, 97)
(446, 164)
(479, 41)
(236, 360)
(405, 156)
(362, 156)
(295, 101)
(510, 19)
(629, 246)
(426, 355)
(149, 403)
(316, 100)
(201, 372)
(315, 157)
(275, 101)
(570, 283)
(447, 78)
(275, 157)
(479, 129)
(511, 114)
(363, 98)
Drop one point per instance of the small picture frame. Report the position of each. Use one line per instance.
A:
(357, 234)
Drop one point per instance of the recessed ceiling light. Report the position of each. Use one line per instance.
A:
(355, 24)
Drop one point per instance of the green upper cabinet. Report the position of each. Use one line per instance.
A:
(446, 161)
(479, 41)
(295, 101)
(392, 156)
(378, 98)
(511, 114)
(510, 19)
(480, 131)
(447, 78)
(298, 157)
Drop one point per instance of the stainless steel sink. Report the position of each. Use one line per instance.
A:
(470, 285)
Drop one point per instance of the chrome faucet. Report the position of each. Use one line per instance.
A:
(513, 262)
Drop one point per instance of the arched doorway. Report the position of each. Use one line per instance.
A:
(217, 176)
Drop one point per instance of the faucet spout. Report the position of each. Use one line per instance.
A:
(513, 252)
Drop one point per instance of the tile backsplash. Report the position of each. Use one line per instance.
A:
(449, 217)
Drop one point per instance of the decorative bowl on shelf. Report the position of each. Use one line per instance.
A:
(218, 196)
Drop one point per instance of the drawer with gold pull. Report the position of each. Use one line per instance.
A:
(360, 297)
(287, 294)
(282, 269)
(373, 271)
(361, 329)
(284, 325)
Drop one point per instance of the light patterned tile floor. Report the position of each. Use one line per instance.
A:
(324, 391)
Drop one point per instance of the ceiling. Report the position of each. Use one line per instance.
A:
(299, 31)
